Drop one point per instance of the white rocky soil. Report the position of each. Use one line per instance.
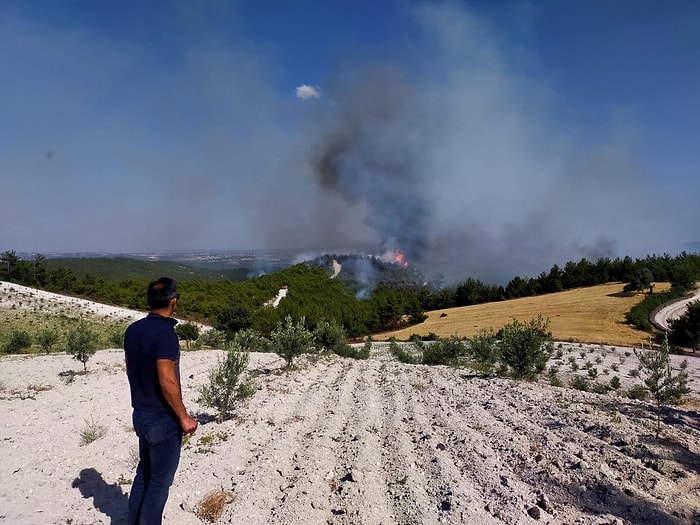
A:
(338, 441)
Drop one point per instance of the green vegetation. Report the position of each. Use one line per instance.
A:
(188, 332)
(19, 341)
(290, 340)
(82, 343)
(525, 347)
(227, 387)
(685, 331)
(664, 384)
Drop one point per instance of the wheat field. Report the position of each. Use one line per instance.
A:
(588, 315)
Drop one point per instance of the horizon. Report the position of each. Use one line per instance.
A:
(481, 138)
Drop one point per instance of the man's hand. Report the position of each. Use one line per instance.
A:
(170, 385)
(189, 424)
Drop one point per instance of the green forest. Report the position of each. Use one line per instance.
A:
(230, 302)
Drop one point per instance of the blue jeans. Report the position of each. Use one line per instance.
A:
(160, 438)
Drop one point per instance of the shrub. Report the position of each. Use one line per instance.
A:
(92, 431)
(400, 353)
(81, 343)
(212, 338)
(117, 337)
(47, 338)
(638, 392)
(484, 349)
(355, 353)
(615, 382)
(251, 341)
(580, 383)
(663, 383)
(330, 336)
(226, 388)
(188, 332)
(525, 347)
(443, 351)
(290, 339)
(19, 341)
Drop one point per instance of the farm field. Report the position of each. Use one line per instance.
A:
(590, 315)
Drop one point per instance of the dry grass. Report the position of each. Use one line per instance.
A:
(588, 315)
(211, 507)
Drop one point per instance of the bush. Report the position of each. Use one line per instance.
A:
(188, 332)
(47, 338)
(443, 351)
(81, 343)
(580, 383)
(226, 389)
(212, 338)
(330, 336)
(665, 385)
(484, 349)
(615, 382)
(525, 347)
(251, 341)
(92, 431)
(638, 392)
(355, 353)
(403, 356)
(117, 337)
(19, 341)
(290, 339)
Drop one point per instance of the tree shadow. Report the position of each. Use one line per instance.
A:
(603, 498)
(108, 499)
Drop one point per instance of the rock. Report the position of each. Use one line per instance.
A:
(534, 512)
(544, 503)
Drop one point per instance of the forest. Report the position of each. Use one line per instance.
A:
(394, 298)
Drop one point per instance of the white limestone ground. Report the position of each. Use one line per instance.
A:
(344, 442)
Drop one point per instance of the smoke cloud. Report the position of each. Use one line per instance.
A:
(463, 168)
(449, 145)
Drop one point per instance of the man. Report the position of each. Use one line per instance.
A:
(160, 418)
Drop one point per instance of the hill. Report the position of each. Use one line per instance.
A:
(594, 314)
(127, 268)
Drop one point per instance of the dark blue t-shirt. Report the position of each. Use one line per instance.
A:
(146, 341)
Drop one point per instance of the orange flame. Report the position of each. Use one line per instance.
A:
(400, 258)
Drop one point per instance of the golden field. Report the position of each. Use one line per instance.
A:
(588, 315)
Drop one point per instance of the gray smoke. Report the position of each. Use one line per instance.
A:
(464, 169)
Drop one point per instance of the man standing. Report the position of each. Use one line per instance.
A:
(160, 418)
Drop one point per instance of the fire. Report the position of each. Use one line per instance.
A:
(400, 258)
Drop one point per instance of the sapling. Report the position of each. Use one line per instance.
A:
(665, 385)
(227, 387)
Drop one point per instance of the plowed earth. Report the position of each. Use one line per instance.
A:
(338, 441)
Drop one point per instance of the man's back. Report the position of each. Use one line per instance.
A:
(146, 341)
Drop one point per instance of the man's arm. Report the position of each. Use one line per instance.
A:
(170, 385)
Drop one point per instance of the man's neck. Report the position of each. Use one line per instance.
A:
(163, 312)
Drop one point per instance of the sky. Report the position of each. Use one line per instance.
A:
(480, 138)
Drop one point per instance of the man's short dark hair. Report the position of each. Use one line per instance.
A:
(160, 292)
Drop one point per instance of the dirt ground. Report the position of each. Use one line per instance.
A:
(338, 441)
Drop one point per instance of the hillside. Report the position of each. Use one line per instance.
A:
(344, 442)
(127, 268)
(592, 315)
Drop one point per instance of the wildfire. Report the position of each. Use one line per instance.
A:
(400, 258)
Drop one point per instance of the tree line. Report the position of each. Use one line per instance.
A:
(234, 305)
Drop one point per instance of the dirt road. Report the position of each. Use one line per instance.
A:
(663, 317)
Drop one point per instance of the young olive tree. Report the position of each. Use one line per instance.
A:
(47, 338)
(330, 336)
(665, 385)
(525, 347)
(188, 332)
(228, 387)
(82, 343)
(290, 339)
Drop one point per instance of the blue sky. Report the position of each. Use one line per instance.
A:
(481, 138)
